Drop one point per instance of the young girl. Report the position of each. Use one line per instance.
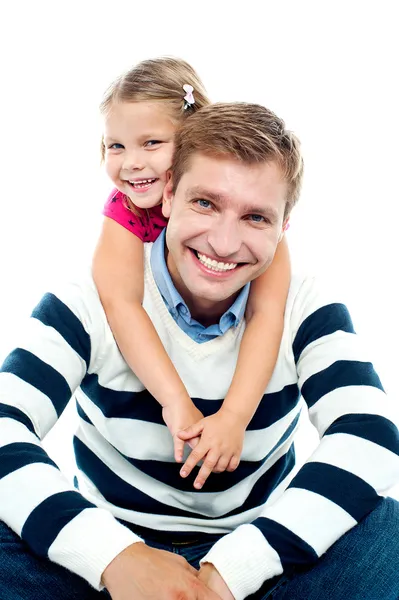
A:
(142, 111)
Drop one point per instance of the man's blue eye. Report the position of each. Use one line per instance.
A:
(115, 146)
(257, 218)
(204, 203)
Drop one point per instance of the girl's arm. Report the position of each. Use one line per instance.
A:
(222, 434)
(118, 271)
(262, 337)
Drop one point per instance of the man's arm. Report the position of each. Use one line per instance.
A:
(355, 464)
(37, 379)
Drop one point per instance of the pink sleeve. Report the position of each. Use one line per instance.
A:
(115, 209)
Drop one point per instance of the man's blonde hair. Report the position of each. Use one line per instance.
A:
(248, 132)
(158, 80)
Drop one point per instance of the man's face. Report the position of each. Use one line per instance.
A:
(225, 221)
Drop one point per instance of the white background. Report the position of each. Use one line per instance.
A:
(328, 68)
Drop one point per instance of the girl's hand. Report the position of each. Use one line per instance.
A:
(222, 437)
(181, 415)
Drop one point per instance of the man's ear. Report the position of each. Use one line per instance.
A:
(167, 196)
(284, 228)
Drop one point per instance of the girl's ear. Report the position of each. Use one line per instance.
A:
(167, 196)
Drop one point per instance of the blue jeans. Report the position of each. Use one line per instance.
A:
(362, 565)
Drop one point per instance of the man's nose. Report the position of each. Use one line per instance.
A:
(224, 237)
(133, 160)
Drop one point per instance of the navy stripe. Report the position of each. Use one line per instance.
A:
(346, 490)
(324, 321)
(82, 413)
(47, 520)
(116, 491)
(143, 407)
(11, 412)
(342, 373)
(19, 454)
(291, 549)
(168, 473)
(266, 484)
(40, 375)
(54, 313)
(374, 428)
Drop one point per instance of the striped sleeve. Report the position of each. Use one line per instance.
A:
(37, 380)
(354, 465)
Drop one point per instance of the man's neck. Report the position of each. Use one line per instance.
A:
(205, 311)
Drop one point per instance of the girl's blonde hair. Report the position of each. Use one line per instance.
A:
(158, 80)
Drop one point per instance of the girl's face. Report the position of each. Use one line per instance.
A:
(138, 139)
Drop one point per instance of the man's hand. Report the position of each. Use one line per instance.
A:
(144, 573)
(212, 578)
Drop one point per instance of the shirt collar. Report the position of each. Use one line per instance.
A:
(174, 301)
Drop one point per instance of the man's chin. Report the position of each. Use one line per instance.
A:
(214, 293)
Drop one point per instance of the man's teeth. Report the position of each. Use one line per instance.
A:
(141, 183)
(214, 265)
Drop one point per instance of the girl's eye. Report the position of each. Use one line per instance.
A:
(151, 143)
(115, 147)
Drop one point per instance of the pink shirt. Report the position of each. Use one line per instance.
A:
(147, 225)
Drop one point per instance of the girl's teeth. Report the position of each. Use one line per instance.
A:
(142, 183)
(215, 265)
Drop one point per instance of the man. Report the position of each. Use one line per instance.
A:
(328, 533)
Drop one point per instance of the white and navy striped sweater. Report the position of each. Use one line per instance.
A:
(124, 451)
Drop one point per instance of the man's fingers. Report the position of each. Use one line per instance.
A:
(207, 594)
(194, 457)
(206, 469)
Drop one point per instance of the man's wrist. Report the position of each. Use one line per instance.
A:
(212, 578)
(112, 571)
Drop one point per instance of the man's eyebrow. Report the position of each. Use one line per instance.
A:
(198, 191)
(201, 192)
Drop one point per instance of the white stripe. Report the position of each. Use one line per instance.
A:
(54, 351)
(207, 504)
(312, 517)
(325, 351)
(136, 439)
(12, 431)
(357, 399)
(36, 405)
(88, 543)
(360, 457)
(23, 490)
(259, 442)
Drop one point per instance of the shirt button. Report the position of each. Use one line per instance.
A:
(183, 310)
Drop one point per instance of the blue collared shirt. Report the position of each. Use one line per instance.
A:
(179, 309)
